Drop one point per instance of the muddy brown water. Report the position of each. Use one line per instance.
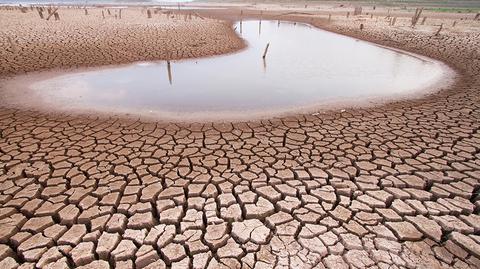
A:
(304, 68)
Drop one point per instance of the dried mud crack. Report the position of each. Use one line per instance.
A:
(394, 186)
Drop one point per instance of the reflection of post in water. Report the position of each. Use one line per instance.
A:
(241, 26)
(265, 51)
(259, 27)
(169, 69)
(278, 24)
(264, 65)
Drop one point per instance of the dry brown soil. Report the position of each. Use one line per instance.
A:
(392, 186)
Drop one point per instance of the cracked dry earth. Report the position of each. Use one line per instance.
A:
(78, 40)
(394, 186)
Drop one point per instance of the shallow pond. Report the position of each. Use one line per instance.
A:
(304, 68)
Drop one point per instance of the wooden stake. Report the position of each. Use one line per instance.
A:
(51, 14)
(266, 50)
(169, 72)
(12, 45)
(394, 20)
(416, 17)
(423, 21)
(40, 13)
(439, 29)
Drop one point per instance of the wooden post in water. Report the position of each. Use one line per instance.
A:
(149, 14)
(103, 14)
(169, 70)
(361, 26)
(266, 50)
(329, 17)
(57, 17)
(120, 14)
(86, 11)
(454, 23)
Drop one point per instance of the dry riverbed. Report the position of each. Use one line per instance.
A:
(394, 185)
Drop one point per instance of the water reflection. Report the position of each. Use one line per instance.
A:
(306, 66)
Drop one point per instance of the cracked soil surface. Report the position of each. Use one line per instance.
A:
(392, 186)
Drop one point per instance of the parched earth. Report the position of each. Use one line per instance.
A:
(78, 40)
(393, 186)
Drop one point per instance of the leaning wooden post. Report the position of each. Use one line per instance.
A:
(423, 21)
(266, 50)
(51, 14)
(12, 45)
(439, 29)
(103, 14)
(416, 17)
(40, 13)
